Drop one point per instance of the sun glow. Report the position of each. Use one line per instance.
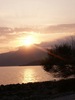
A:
(28, 41)
(29, 75)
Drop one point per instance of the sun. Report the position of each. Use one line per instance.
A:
(29, 40)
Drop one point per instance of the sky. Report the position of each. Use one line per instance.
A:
(36, 12)
(44, 20)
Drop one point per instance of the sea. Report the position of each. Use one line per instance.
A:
(23, 74)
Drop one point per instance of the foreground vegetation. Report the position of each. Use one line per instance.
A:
(61, 60)
(37, 91)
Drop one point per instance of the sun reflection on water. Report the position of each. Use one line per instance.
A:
(29, 75)
(23, 74)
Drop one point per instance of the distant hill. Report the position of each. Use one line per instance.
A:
(23, 56)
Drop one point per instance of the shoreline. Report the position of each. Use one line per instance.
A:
(38, 90)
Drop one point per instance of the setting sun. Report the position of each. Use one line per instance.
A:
(29, 40)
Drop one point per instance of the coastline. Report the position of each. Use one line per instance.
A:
(38, 90)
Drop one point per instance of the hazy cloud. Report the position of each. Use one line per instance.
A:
(5, 30)
(62, 28)
(10, 37)
(50, 44)
(8, 34)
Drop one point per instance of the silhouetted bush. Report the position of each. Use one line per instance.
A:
(61, 60)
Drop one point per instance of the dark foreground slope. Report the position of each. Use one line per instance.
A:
(23, 56)
(37, 91)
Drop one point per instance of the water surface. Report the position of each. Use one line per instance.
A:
(23, 74)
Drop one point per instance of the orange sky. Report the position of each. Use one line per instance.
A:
(44, 20)
(13, 40)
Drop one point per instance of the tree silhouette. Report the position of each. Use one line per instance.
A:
(61, 67)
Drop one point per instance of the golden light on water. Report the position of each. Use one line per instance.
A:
(29, 75)
(23, 74)
(34, 74)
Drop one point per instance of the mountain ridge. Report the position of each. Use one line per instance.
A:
(22, 56)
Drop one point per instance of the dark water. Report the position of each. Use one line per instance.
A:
(23, 74)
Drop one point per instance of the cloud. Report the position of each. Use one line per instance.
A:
(62, 28)
(10, 37)
(8, 34)
(5, 30)
(50, 44)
